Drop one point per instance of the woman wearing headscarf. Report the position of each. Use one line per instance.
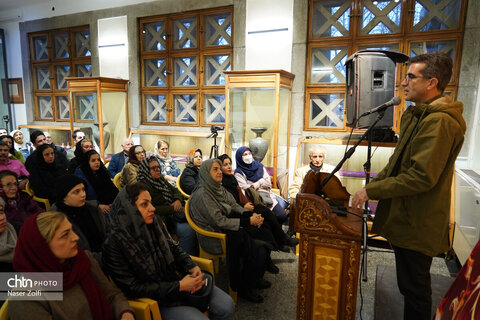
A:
(8, 240)
(144, 261)
(13, 154)
(168, 203)
(130, 171)
(47, 243)
(213, 208)
(189, 177)
(170, 169)
(98, 183)
(44, 175)
(81, 148)
(19, 205)
(252, 174)
(87, 219)
(281, 240)
(24, 147)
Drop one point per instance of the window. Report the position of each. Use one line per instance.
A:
(183, 57)
(339, 28)
(56, 55)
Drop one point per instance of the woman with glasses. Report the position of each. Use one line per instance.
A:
(130, 171)
(99, 185)
(81, 148)
(170, 169)
(168, 203)
(18, 205)
(14, 154)
(44, 175)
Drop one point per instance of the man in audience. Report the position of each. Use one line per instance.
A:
(37, 138)
(77, 136)
(13, 165)
(119, 159)
(3, 132)
(317, 156)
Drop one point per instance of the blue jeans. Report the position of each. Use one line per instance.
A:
(187, 238)
(221, 308)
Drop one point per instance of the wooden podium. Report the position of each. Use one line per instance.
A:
(329, 259)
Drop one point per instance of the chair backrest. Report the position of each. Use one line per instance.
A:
(4, 311)
(186, 196)
(117, 180)
(29, 190)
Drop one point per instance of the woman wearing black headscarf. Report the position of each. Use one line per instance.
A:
(44, 175)
(86, 217)
(168, 203)
(81, 148)
(214, 209)
(189, 177)
(99, 185)
(144, 261)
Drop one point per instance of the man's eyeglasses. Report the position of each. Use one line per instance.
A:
(156, 168)
(411, 76)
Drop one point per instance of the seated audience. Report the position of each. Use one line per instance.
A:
(144, 261)
(317, 156)
(47, 243)
(189, 177)
(37, 138)
(14, 154)
(58, 150)
(81, 148)
(274, 230)
(170, 169)
(86, 217)
(8, 240)
(78, 135)
(213, 208)
(168, 203)
(252, 174)
(45, 174)
(19, 205)
(99, 185)
(119, 159)
(129, 172)
(12, 165)
(24, 147)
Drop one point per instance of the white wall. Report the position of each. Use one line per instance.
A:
(269, 50)
(113, 47)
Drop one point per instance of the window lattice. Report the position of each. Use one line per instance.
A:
(380, 17)
(331, 18)
(62, 108)
(154, 38)
(436, 15)
(218, 30)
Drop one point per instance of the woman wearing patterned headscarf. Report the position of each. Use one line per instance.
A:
(144, 261)
(168, 203)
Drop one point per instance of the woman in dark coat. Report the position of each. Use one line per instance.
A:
(214, 209)
(45, 174)
(168, 203)
(280, 239)
(144, 261)
(81, 148)
(87, 219)
(189, 177)
(98, 183)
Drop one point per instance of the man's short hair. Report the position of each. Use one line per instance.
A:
(317, 148)
(74, 134)
(3, 143)
(35, 134)
(437, 65)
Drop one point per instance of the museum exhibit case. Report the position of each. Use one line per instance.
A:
(99, 107)
(258, 115)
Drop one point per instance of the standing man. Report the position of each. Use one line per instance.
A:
(119, 159)
(317, 156)
(77, 136)
(414, 187)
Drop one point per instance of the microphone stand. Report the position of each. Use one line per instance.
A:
(367, 164)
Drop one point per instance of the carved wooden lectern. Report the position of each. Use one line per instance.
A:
(329, 259)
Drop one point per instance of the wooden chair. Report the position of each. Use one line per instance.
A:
(30, 191)
(140, 308)
(186, 196)
(117, 180)
(221, 236)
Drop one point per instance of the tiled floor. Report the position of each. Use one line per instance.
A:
(280, 299)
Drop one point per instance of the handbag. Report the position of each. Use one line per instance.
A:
(265, 195)
(201, 298)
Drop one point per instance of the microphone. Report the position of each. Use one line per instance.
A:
(383, 107)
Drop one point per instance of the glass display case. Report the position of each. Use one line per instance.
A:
(258, 115)
(61, 135)
(99, 107)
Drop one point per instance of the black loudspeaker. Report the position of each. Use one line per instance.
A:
(370, 83)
